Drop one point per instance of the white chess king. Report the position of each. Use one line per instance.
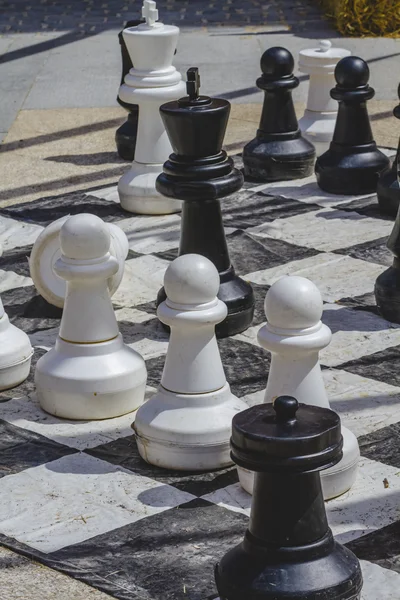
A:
(187, 424)
(152, 82)
(319, 119)
(90, 373)
(294, 334)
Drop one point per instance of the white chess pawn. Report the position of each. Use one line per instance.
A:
(187, 424)
(318, 122)
(46, 251)
(90, 373)
(15, 352)
(152, 82)
(294, 334)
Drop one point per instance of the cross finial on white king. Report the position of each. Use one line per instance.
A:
(149, 12)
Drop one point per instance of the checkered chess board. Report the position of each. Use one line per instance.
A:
(76, 495)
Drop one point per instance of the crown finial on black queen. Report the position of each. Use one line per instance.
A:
(353, 163)
(199, 172)
(388, 189)
(278, 152)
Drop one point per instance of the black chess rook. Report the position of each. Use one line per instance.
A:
(353, 163)
(278, 152)
(199, 172)
(288, 551)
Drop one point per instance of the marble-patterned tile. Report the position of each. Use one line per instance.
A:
(124, 453)
(382, 366)
(367, 507)
(328, 229)
(244, 210)
(382, 548)
(365, 405)
(16, 234)
(249, 254)
(378, 581)
(142, 279)
(10, 280)
(356, 333)
(17, 260)
(373, 251)
(108, 193)
(368, 207)
(335, 276)
(149, 234)
(75, 498)
(383, 445)
(46, 210)
(25, 412)
(304, 190)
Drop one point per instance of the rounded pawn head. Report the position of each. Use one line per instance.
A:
(351, 72)
(191, 279)
(293, 302)
(277, 62)
(84, 237)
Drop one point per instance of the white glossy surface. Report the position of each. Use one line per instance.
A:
(187, 424)
(90, 373)
(152, 82)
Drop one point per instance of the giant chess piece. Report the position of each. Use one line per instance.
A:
(199, 172)
(152, 82)
(186, 425)
(353, 163)
(288, 551)
(387, 284)
(90, 373)
(15, 352)
(279, 152)
(125, 136)
(318, 121)
(46, 251)
(294, 334)
(388, 189)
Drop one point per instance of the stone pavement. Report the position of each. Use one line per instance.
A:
(24, 16)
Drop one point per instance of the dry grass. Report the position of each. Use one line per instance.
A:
(365, 17)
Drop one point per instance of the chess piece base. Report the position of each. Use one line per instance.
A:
(328, 571)
(187, 432)
(336, 480)
(46, 251)
(90, 381)
(238, 296)
(355, 173)
(138, 194)
(125, 136)
(387, 293)
(278, 160)
(317, 128)
(388, 191)
(15, 355)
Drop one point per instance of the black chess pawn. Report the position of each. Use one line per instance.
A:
(199, 172)
(353, 163)
(278, 152)
(288, 550)
(125, 136)
(388, 189)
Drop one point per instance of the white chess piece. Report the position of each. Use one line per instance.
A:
(15, 352)
(187, 424)
(152, 82)
(318, 122)
(90, 373)
(294, 334)
(46, 251)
